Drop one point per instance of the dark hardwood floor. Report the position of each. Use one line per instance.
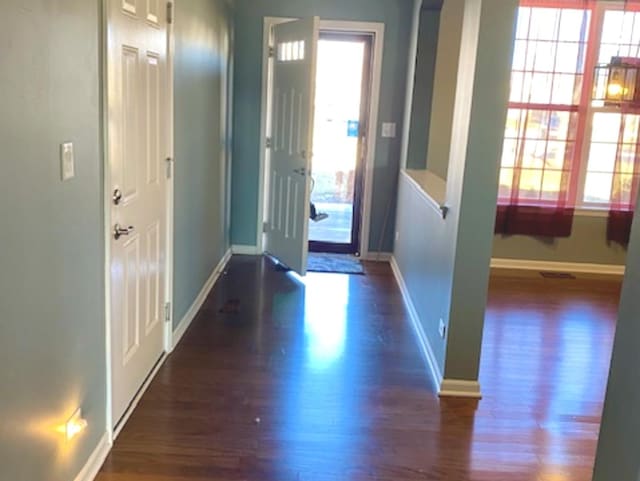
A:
(323, 381)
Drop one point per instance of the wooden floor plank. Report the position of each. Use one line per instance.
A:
(322, 380)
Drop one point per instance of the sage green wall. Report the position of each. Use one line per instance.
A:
(587, 244)
(445, 263)
(397, 16)
(52, 340)
(617, 456)
(423, 89)
(202, 75)
(446, 73)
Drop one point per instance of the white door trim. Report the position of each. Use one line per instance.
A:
(375, 29)
(111, 433)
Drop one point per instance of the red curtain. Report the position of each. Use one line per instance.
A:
(534, 221)
(541, 176)
(624, 189)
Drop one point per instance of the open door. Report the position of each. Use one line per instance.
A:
(291, 126)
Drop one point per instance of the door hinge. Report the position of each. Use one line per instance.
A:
(169, 13)
(272, 52)
(169, 163)
(265, 227)
(167, 312)
(269, 142)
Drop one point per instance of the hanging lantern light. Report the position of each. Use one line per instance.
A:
(618, 82)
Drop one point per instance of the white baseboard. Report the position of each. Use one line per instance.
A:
(423, 340)
(199, 300)
(377, 256)
(458, 388)
(95, 461)
(244, 250)
(547, 266)
(446, 387)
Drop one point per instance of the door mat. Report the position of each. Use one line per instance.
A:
(337, 263)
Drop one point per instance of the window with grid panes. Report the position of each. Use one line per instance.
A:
(557, 140)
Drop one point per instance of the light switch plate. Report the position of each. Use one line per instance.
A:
(67, 161)
(389, 130)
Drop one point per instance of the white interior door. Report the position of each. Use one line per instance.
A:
(138, 147)
(291, 122)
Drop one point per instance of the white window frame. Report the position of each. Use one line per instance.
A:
(591, 110)
(594, 209)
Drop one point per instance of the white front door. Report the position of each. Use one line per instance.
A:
(292, 102)
(137, 149)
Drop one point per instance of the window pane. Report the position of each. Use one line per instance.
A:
(544, 54)
(552, 184)
(620, 35)
(530, 184)
(567, 59)
(602, 157)
(544, 23)
(534, 154)
(627, 159)
(622, 187)
(537, 122)
(573, 22)
(606, 127)
(559, 125)
(519, 55)
(555, 155)
(523, 22)
(611, 27)
(506, 181)
(564, 89)
(598, 187)
(631, 124)
(517, 79)
(509, 153)
(513, 123)
(541, 88)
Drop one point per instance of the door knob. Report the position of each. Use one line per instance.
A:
(117, 196)
(120, 231)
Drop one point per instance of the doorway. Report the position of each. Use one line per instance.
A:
(373, 33)
(342, 107)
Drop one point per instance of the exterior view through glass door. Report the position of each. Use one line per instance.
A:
(341, 111)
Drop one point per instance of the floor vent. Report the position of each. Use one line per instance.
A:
(557, 275)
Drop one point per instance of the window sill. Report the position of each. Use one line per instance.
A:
(591, 212)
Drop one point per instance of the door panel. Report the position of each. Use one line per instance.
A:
(130, 122)
(153, 118)
(292, 102)
(137, 149)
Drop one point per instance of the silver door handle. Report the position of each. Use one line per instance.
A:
(120, 231)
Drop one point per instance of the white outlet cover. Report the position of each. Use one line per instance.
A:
(67, 161)
(389, 130)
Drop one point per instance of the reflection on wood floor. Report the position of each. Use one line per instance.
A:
(322, 380)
